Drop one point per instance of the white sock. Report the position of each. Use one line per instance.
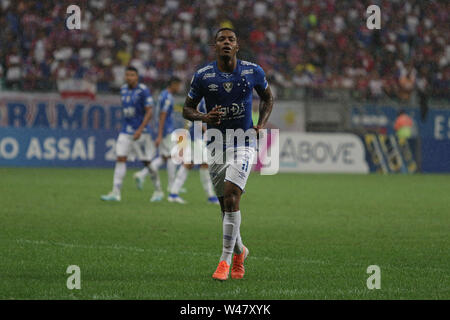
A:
(119, 173)
(171, 171)
(180, 178)
(154, 176)
(239, 246)
(231, 223)
(143, 173)
(206, 182)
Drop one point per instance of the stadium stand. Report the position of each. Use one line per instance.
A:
(313, 44)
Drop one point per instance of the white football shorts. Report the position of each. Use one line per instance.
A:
(142, 149)
(232, 165)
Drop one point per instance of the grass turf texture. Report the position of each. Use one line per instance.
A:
(310, 237)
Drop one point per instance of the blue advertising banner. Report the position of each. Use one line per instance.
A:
(38, 129)
(49, 111)
(435, 155)
(23, 147)
(435, 145)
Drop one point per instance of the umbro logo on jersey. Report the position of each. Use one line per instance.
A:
(228, 86)
(213, 87)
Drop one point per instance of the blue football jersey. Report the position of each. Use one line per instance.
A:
(134, 102)
(232, 91)
(201, 108)
(165, 104)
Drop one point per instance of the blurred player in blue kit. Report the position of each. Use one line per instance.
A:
(134, 139)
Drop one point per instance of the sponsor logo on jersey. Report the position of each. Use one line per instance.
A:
(234, 111)
(228, 86)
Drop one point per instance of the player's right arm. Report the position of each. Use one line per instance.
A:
(194, 97)
(191, 113)
(162, 121)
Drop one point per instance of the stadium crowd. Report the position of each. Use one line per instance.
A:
(317, 44)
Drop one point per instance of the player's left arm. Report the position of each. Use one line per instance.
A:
(265, 94)
(190, 108)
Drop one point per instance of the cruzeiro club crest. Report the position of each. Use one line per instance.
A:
(228, 86)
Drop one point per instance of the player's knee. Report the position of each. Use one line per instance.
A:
(228, 202)
(231, 201)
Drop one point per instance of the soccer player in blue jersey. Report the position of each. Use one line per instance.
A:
(163, 140)
(134, 138)
(182, 173)
(227, 85)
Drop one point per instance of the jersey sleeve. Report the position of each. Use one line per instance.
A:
(260, 79)
(147, 98)
(195, 92)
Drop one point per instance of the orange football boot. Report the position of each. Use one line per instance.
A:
(222, 271)
(238, 270)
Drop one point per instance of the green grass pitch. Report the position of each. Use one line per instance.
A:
(310, 237)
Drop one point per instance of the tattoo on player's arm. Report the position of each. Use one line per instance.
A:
(190, 111)
(265, 106)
